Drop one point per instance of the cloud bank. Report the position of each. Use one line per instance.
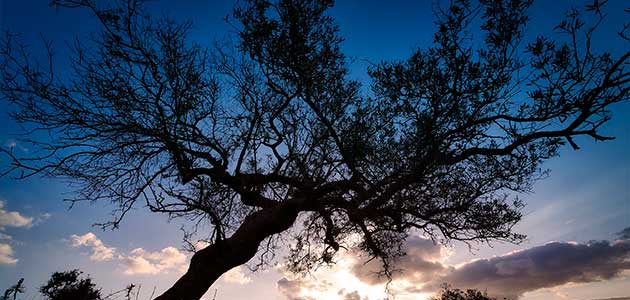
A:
(545, 266)
(510, 275)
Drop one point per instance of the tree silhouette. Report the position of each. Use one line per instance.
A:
(448, 293)
(69, 285)
(16, 289)
(269, 131)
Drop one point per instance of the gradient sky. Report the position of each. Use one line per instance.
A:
(585, 199)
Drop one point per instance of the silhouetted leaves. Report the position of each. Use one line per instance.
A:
(69, 285)
(448, 293)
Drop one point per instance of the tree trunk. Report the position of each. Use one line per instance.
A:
(208, 264)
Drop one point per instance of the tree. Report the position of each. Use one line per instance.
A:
(448, 293)
(258, 135)
(18, 288)
(69, 285)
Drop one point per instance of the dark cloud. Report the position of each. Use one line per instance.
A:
(545, 266)
(509, 275)
(624, 234)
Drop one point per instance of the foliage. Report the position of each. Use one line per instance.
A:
(448, 293)
(69, 285)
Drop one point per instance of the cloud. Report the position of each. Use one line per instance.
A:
(510, 275)
(292, 289)
(141, 261)
(138, 261)
(354, 295)
(624, 234)
(100, 252)
(139, 265)
(307, 288)
(335, 284)
(42, 218)
(237, 276)
(545, 266)
(11, 143)
(13, 218)
(6, 255)
(423, 260)
(199, 245)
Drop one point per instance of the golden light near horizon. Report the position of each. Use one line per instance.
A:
(338, 280)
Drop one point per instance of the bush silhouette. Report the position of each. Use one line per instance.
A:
(69, 285)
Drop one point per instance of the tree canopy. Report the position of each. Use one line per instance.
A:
(448, 293)
(69, 285)
(72, 285)
(261, 132)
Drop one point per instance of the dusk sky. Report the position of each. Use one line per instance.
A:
(574, 219)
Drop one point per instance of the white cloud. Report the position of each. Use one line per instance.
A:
(141, 261)
(237, 276)
(139, 265)
(100, 252)
(295, 289)
(41, 218)
(13, 218)
(200, 244)
(138, 261)
(351, 295)
(6, 255)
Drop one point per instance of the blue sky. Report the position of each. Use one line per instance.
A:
(586, 197)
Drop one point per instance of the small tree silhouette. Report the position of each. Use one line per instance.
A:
(449, 293)
(69, 285)
(14, 290)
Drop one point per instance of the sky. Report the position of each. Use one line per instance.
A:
(574, 219)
